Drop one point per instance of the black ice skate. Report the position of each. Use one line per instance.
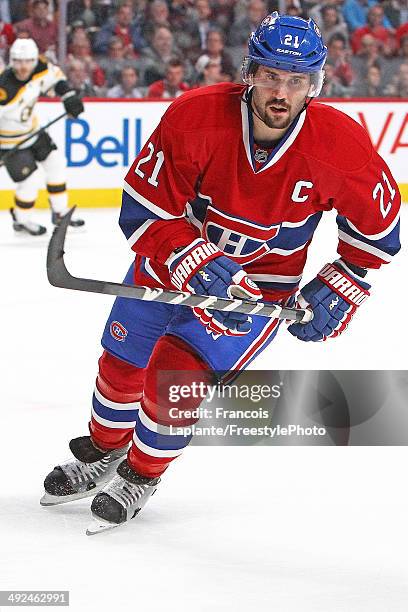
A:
(121, 499)
(83, 476)
(56, 220)
(34, 229)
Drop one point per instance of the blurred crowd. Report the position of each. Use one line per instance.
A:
(161, 48)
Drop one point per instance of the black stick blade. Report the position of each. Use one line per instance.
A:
(56, 270)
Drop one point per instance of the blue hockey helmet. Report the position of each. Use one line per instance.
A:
(287, 43)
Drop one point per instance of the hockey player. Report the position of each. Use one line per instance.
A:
(224, 200)
(27, 78)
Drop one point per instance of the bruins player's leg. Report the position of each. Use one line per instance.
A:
(54, 168)
(22, 169)
(24, 199)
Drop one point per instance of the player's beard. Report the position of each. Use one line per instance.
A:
(273, 119)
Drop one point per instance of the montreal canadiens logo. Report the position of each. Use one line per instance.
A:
(118, 331)
(241, 240)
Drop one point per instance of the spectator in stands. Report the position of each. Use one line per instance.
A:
(124, 25)
(355, 13)
(369, 55)
(332, 88)
(43, 30)
(403, 48)
(5, 15)
(396, 12)
(223, 14)
(115, 60)
(294, 8)
(190, 24)
(374, 27)
(78, 79)
(90, 13)
(399, 84)
(204, 21)
(240, 30)
(316, 12)
(178, 14)
(173, 85)
(184, 28)
(339, 56)
(371, 86)
(23, 33)
(157, 14)
(127, 87)
(402, 31)
(331, 22)
(7, 37)
(78, 35)
(80, 49)
(155, 57)
(209, 73)
(12, 11)
(215, 51)
(78, 31)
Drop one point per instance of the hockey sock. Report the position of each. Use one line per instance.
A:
(115, 402)
(58, 197)
(155, 443)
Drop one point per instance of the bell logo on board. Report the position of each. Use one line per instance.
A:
(82, 146)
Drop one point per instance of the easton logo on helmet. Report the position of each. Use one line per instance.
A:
(286, 43)
(288, 51)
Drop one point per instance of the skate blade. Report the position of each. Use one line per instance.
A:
(98, 525)
(73, 229)
(56, 500)
(24, 233)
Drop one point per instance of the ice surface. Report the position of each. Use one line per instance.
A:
(285, 529)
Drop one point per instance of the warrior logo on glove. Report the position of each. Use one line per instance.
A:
(204, 270)
(333, 296)
(189, 260)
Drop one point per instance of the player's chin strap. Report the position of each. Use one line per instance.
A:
(247, 98)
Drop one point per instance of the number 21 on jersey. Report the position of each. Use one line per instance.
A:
(379, 192)
(144, 160)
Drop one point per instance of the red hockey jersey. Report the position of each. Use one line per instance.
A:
(200, 174)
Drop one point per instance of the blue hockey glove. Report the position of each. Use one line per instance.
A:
(203, 269)
(333, 296)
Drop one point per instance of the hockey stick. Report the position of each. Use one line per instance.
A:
(59, 276)
(29, 137)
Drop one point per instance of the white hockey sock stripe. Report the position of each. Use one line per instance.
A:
(164, 430)
(155, 452)
(113, 414)
(115, 405)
